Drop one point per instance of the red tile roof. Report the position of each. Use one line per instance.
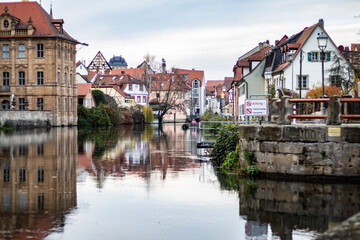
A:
(84, 89)
(193, 74)
(299, 44)
(134, 72)
(42, 22)
(166, 81)
(116, 80)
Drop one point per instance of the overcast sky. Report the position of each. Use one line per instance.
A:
(207, 35)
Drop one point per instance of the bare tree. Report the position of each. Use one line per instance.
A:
(169, 90)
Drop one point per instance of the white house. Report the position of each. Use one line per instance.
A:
(283, 63)
(132, 88)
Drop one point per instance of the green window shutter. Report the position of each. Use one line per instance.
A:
(328, 56)
(309, 56)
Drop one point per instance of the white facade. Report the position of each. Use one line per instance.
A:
(311, 70)
(138, 92)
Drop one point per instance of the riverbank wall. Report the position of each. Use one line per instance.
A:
(303, 150)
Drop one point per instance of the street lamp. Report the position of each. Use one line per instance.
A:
(322, 43)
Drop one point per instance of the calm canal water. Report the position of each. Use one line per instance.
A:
(143, 183)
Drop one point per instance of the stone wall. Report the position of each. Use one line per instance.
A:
(27, 118)
(303, 150)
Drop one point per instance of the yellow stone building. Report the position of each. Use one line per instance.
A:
(37, 67)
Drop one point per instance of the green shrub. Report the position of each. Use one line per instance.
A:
(99, 117)
(98, 96)
(252, 170)
(249, 157)
(231, 162)
(115, 115)
(226, 142)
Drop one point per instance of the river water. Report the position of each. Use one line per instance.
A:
(145, 183)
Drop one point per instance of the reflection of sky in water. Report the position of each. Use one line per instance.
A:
(186, 207)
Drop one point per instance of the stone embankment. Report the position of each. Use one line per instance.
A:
(303, 150)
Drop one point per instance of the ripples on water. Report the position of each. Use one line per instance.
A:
(142, 183)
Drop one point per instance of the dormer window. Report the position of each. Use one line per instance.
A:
(6, 24)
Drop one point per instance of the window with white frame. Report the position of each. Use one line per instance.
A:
(21, 51)
(5, 51)
(304, 82)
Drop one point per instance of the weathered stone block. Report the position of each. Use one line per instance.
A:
(253, 146)
(267, 147)
(352, 149)
(328, 171)
(293, 133)
(312, 147)
(318, 170)
(351, 134)
(270, 133)
(248, 132)
(314, 134)
(291, 147)
(355, 161)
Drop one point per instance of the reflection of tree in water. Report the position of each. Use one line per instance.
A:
(103, 137)
(140, 150)
(228, 181)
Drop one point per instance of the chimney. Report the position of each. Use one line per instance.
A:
(260, 45)
(321, 23)
(277, 42)
(163, 65)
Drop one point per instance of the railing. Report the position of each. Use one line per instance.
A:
(334, 110)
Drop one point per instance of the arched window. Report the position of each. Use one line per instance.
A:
(5, 105)
(196, 83)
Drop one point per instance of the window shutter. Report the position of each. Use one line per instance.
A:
(328, 56)
(309, 56)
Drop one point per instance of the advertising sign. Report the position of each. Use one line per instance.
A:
(256, 107)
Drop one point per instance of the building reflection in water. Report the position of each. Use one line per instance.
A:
(138, 150)
(294, 206)
(37, 181)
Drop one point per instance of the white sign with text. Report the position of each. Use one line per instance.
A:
(256, 107)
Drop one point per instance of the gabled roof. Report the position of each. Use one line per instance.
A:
(98, 63)
(193, 74)
(134, 72)
(116, 80)
(31, 13)
(295, 42)
(169, 81)
(84, 89)
(243, 62)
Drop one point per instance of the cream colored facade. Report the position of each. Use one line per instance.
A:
(37, 73)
